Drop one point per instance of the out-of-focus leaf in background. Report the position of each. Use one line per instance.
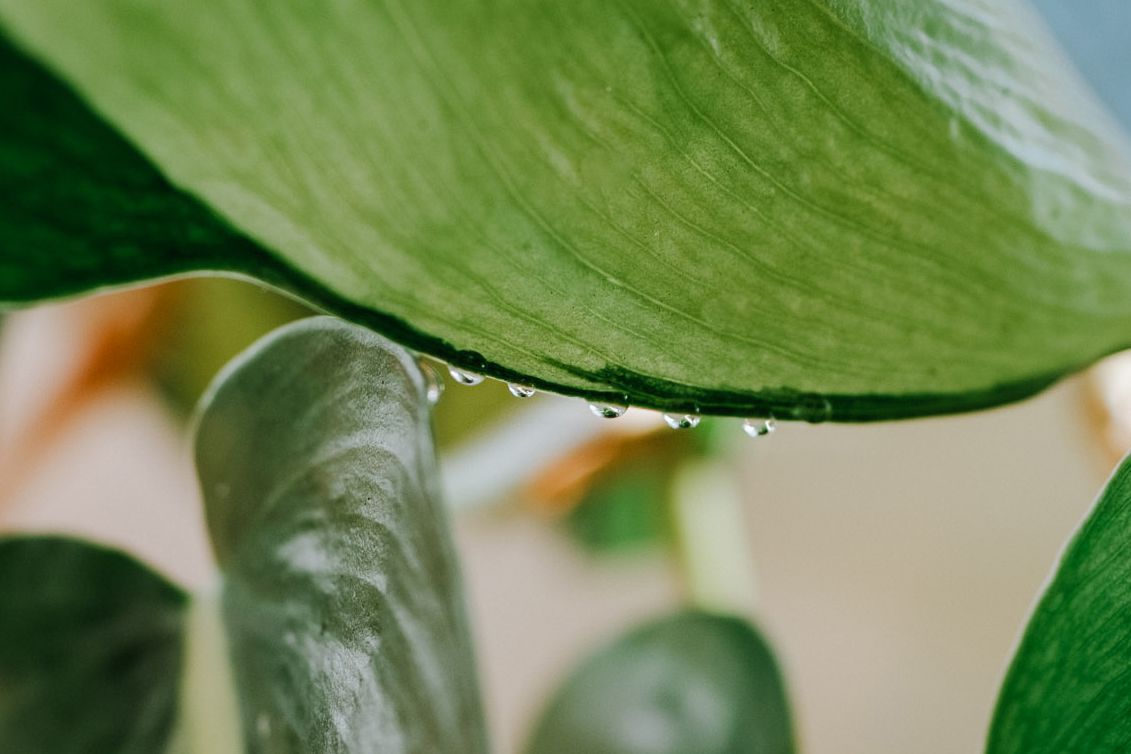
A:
(90, 650)
(625, 511)
(691, 682)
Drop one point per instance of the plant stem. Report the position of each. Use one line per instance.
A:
(714, 548)
(209, 721)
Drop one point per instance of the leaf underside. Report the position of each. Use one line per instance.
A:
(341, 596)
(808, 208)
(90, 650)
(1068, 690)
(692, 682)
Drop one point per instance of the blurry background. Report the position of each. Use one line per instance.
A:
(895, 564)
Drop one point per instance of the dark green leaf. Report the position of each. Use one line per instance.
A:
(818, 209)
(693, 683)
(90, 650)
(341, 596)
(1068, 690)
(81, 208)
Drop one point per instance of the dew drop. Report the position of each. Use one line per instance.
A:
(433, 385)
(465, 378)
(520, 391)
(607, 410)
(682, 421)
(759, 427)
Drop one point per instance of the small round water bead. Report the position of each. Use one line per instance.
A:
(520, 391)
(682, 421)
(465, 378)
(759, 427)
(607, 410)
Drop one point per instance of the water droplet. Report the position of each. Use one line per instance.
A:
(433, 385)
(607, 410)
(813, 409)
(759, 427)
(520, 391)
(465, 378)
(682, 421)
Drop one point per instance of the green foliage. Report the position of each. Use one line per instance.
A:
(340, 600)
(1068, 690)
(89, 650)
(82, 208)
(692, 682)
(812, 209)
(626, 511)
(816, 210)
(341, 597)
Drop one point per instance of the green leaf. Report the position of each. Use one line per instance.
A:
(341, 598)
(811, 208)
(82, 208)
(625, 512)
(1068, 690)
(89, 650)
(693, 682)
(338, 627)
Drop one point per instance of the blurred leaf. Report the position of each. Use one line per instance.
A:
(1068, 690)
(1097, 34)
(816, 209)
(89, 650)
(628, 510)
(693, 682)
(341, 596)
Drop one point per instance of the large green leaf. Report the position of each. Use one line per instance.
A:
(90, 650)
(1068, 690)
(341, 598)
(814, 208)
(693, 682)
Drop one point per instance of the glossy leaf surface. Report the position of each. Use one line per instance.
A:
(693, 682)
(818, 209)
(90, 650)
(1068, 690)
(341, 598)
